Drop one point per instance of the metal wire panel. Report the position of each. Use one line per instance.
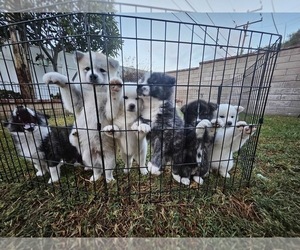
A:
(215, 64)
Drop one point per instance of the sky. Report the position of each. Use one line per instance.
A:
(182, 47)
(272, 16)
(181, 50)
(203, 6)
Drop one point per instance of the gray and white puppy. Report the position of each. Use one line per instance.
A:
(200, 134)
(167, 137)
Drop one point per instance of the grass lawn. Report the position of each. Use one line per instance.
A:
(269, 207)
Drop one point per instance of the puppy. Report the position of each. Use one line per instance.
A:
(167, 137)
(200, 131)
(124, 128)
(198, 110)
(87, 100)
(48, 147)
(232, 135)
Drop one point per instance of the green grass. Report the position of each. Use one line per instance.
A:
(269, 207)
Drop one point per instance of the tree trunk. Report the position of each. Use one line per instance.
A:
(21, 65)
(52, 58)
(55, 58)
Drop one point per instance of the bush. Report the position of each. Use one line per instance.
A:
(9, 94)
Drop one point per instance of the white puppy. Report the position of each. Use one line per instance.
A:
(229, 138)
(126, 129)
(87, 101)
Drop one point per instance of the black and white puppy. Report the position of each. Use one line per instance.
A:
(47, 147)
(167, 137)
(200, 131)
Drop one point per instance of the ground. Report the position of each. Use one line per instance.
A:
(268, 207)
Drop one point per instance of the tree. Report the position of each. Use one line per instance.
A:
(20, 52)
(67, 32)
(56, 32)
(294, 39)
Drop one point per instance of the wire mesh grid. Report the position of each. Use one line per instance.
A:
(214, 64)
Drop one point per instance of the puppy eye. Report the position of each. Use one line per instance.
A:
(137, 98)
(222, 116)
(232, 116)
(102, 70)
(87, 68)
(125, 97)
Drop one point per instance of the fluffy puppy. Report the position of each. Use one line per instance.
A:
(195, 111)
(200, 131)
(167, 128)
(124, 129)
(229, 138)
(87, 101)
(48, 147)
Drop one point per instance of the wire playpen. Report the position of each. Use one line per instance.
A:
(214, 64)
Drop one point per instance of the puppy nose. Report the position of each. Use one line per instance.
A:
(131, 106)
(93, 77)
(229, 123)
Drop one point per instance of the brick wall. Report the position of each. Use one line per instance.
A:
(203, 81)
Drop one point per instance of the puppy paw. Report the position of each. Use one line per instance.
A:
(214, 125)
(183, 180)
(153, 169)
(249, 130)
(135, 126)
(198, 179)
(144, 128)
(240, 127)
(39, 173)
(77, 164)
(55, 78)
(95, 177)
(141, 127)
(115, 85)
(224, 174)
(110, 179)
(53, 180)
(201, 126)
(110, 130)
(217, 123)
(143, 170)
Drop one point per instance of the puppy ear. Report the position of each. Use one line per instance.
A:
(79, 55)
(144, 78)
(183, 108)
(212, 106)
(171, 80)
(113, 63)
(239, 109)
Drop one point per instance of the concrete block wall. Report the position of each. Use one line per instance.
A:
(284, 95)
(203, 81)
